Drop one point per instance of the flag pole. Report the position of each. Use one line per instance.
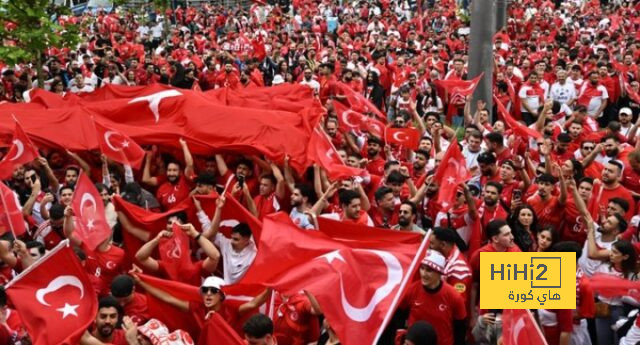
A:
(402, 287)
(62, 244)
(6, 213)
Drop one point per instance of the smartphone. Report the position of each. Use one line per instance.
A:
(240, 180)
(517, 194)
(33, 178)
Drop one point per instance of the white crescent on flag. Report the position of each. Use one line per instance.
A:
(155, 99)
(108, 135)
(19, 149)
(397, 135)
(90, 198)
(394, 278)
(56, 284)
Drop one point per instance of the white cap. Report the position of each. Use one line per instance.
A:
(277, 79)
(213, 281)
(625, 110)
(434, 260)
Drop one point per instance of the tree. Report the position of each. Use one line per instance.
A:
(29, 27)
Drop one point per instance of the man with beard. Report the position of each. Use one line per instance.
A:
(457, 271)
(433, 300)
(376, 162)
(302, 199)
(561, 150)
(384, 213)
(548, 207)
(625, 115)
(174, 186)
(495, 144)
(309, 81)
(107, 320)
(611, 187)
(488, 168)
(595, 97)
(420, 160)
(491, 209)
(407, 218)
(611, 145)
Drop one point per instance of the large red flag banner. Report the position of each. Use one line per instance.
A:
(21, 151)
(358, 283)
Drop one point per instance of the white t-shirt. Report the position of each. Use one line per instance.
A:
(235, 264)
(590, 266)
(562, 93)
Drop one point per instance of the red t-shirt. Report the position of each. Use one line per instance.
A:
(293, 322)
(439, 309)
(104, 266)
(137, 309)
(119, 337)
(631, 179)
(548, 211)
(618, 192)
(266, 205)
(564, 318)
(169, 194)
(475, 259)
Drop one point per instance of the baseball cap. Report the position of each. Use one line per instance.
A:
(625, 110)
(434, 260)
(214, 282)
(277, 79)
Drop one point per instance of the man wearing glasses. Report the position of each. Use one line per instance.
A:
(212, 301)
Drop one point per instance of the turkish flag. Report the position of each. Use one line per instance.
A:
(22, 151)
(345, 231)
(91, 225)
(217, 331)
(611, 286)
(405, 137)
(356, 282)
(458, 90)
(373, 126)
(118, 146)
(233, 213)
(322, 152)
(519, 328)
(348, 119)
(360, 103)
(144, 219)
(451, 172)
(235, 295)
(175, 253)
(517, 128)
(10, 213)
(55, 298)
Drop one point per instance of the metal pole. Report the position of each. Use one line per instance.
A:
(501, 14)
(483, 22)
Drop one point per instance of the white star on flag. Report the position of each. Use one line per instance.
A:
(125, 143)
(68, 310)
(90, 224)
(451, 180)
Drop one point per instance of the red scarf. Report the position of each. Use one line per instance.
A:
(588, 92)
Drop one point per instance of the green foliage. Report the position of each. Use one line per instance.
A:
(31, 25)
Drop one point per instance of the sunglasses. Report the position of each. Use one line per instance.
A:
(206, 289)
(588, 147)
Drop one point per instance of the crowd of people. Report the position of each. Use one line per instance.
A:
(567, 70)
